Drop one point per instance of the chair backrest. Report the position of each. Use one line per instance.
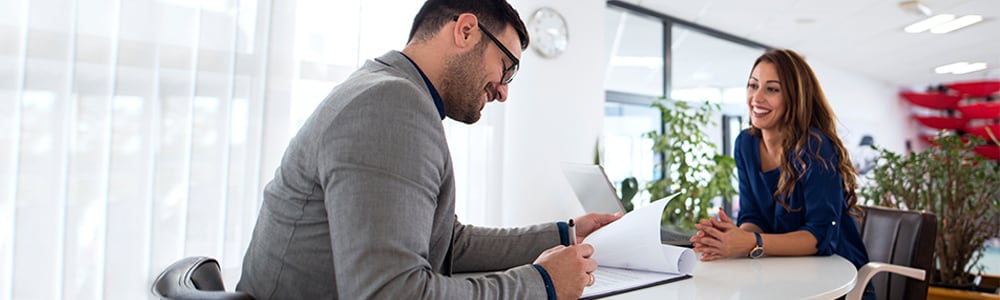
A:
(195, 277)
(904, 238)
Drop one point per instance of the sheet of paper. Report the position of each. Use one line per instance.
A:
(609, 280)
(633, 242)
(630, 254)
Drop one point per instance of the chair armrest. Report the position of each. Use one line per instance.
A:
(210, 295)
(870, 269)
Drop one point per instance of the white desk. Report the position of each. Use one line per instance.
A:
(810, 277)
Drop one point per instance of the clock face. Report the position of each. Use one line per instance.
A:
(549, 33)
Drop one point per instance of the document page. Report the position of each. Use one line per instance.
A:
(611, 280)
(630, 255)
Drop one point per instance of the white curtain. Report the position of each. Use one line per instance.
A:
(134, 133)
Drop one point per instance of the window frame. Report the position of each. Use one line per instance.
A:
(637, 99)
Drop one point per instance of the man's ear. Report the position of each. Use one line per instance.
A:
(464, 31)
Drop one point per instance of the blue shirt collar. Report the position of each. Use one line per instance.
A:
(434, 93)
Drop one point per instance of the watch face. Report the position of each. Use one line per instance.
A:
(757, 252)
(549, 32)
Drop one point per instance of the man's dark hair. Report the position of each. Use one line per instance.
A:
(493, 14)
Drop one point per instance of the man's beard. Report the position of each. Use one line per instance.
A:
(462, 93)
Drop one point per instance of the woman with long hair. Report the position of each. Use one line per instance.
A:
(797, 183)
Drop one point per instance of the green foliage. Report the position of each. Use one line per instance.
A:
(950, 181)
(630, 186)
(694, 168)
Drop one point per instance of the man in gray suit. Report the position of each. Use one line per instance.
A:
(363, 204)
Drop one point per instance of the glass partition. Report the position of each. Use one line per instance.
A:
(705, 67)
(635, 53)
(635, 78)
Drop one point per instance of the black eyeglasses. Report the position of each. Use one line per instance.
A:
(508, 74)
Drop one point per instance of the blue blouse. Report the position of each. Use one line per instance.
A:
(817, 202)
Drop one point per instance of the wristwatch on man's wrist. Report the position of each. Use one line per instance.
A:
(757, 251)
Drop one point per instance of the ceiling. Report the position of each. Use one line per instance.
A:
(864, 36)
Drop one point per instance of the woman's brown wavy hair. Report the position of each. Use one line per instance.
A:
(805, 107)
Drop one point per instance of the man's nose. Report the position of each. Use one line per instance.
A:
(501, 92)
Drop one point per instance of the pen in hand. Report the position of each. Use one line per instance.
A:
(572, 233)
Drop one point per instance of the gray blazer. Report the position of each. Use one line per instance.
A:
(363, 206)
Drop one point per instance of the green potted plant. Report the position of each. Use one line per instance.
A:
(962, 189)
(693, 167)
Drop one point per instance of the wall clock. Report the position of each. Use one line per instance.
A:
(549, 32)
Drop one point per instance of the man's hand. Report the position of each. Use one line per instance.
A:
(569, 267)
(589, 223)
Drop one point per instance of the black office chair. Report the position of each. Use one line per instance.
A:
(899, 242)
(195, 277)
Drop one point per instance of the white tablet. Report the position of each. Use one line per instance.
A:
(592, 188)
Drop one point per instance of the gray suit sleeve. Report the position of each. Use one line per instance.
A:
(506, 247)
(381, 166)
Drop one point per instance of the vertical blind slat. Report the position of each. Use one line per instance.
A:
(69, 140)
(101, 272)
(228, 126)
(154, 114)
(7, 279)
(41, 170)
(263, 64)
(195, 52)
(169, 214)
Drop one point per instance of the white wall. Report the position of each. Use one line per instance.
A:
(554, 114)
(866, 106)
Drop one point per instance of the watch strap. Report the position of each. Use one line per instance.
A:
(758, 250)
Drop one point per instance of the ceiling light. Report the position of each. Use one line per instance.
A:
(945, 69)
(970, 68)
(957, 24)
(921, 26)
(960, 68)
